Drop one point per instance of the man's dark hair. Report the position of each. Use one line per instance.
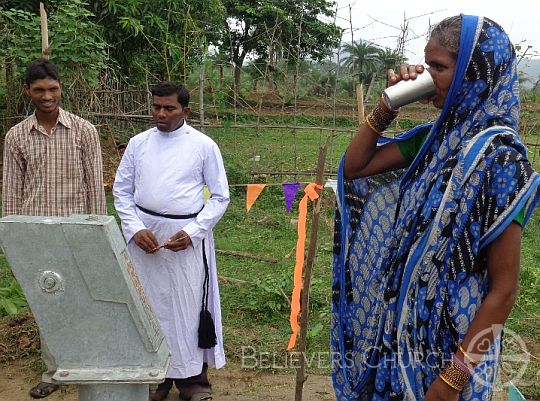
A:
(40, 69)
(168, 88)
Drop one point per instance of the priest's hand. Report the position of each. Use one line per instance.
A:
(178, 242)
(146, 240)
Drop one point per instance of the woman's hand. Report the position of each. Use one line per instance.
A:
(440, 391)
(403, 73)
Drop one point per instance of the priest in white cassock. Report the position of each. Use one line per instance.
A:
(159, 196)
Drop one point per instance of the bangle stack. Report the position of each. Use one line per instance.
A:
(455, 374)
(467, 356)
(462, 364)
(380, 117)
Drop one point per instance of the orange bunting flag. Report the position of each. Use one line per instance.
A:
(253, 192)
(310, 194)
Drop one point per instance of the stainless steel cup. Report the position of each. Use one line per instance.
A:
(405, 92)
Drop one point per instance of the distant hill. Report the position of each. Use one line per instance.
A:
(531, 70)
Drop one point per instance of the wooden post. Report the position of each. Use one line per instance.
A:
(360, 102)
(44, 31)
(201, 94)
(304, 302)
(370, 87)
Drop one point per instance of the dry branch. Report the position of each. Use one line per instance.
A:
(246, 255)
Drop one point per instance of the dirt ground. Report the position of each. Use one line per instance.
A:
(230, 384)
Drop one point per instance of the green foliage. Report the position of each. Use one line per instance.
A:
(12, 299)
(362, 59)
(277, 30)
(273, 290)
(530, 96)
(77, 43)
(160, 40)
(20, 37)
(389, 58)
(77, 46)
(236, 173)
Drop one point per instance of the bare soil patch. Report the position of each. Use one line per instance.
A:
(229, 384)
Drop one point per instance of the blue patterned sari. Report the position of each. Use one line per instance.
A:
(409, 260)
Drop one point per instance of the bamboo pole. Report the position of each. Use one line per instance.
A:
(44, 31)
(304, 302)
(360, 100)
(201, 93)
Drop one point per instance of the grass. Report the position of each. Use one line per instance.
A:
(255, 306)
(255, 292)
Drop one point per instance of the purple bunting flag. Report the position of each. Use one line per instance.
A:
(290, 190)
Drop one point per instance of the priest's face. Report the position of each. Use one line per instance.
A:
(168, 113)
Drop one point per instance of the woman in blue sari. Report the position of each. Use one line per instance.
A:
(428, 229)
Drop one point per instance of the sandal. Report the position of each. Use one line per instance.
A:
(204, 396)
(43, 390)
(161, 391)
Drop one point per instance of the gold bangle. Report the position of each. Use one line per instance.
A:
(380, 117)
(370, 125)
(467, 356)
(450, 384)
(454, 375)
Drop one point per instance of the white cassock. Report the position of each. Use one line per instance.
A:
(166, 172)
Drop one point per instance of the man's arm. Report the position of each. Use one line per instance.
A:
(93, 172)
(13, 178)
(216, 180)
(124, 195)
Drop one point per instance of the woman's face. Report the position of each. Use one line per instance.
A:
(442, 64)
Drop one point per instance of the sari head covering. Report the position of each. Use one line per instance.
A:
(409, 262)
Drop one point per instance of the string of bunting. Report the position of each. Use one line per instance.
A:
(290, 190)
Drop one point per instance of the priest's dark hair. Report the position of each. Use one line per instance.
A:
(167, 88)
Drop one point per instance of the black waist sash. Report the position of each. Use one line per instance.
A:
(169, 216)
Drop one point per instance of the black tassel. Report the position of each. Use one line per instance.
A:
(207, 330)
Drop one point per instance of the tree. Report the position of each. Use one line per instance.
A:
(389, 59)
(362, 59)
(162, 39)
(76, 42)
(274, 29)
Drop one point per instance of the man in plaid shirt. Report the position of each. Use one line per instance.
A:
(52, 167)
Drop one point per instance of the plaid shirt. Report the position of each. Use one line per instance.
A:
(53, 175)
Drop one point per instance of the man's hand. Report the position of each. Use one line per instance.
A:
(146, 240)
(440, 391)
(178, 242)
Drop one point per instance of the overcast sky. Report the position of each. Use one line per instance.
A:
(379, 21)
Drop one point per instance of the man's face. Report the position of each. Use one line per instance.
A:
(45, 94)
(168, 113)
